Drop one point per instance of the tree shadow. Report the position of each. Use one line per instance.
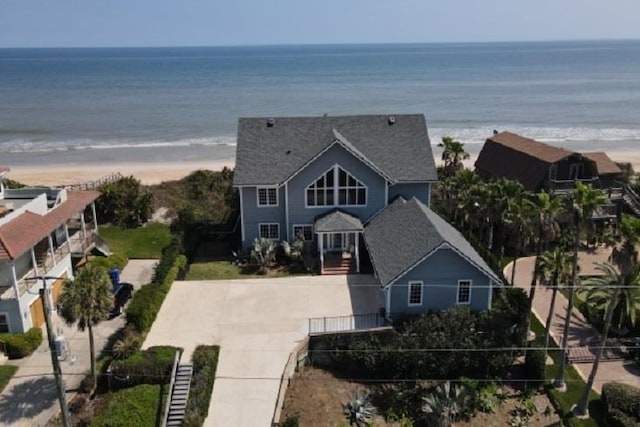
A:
(27, 400)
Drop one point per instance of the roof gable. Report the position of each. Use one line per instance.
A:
(398, 149)
(337, 221)
(405, 233)
(604, 164)
(22, 233)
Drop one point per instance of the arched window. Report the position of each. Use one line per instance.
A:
(336, 187)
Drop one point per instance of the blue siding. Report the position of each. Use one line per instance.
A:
(299, 214)
(440, 274)
(408, 191)
(252, 215)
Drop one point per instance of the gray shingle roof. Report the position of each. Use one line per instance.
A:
(405, 232)
(338, 221)
(271, 154)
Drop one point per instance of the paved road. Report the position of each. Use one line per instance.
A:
(30, 398)
(257, 323)
(580, 331)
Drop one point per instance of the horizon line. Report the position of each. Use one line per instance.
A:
(523, 41)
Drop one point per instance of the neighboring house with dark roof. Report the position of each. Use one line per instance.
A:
(41, 230)
(539, 166)
(330, 179)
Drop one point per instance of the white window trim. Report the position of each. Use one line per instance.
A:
(293, 230)
(458, 292)
(269, 224)
(336, 186)
(266, 188)
(415, 282)
(6, 314)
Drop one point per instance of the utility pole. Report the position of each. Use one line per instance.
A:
(57, 372)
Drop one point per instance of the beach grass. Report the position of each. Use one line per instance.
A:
(144, 242)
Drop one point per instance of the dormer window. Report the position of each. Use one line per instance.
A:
(267, 196)
(336, 187)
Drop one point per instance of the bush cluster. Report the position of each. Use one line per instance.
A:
(146, 302)
(124, 203)
(205, 362)
(622, 404)
(115, 260)
(22, 345)
(534, 365)
(152, 366)
(406, 353)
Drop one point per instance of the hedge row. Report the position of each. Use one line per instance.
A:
(22, 345)
(136, 406)
(151, 366)
(205, 362)
(622, 404)
(146, 302)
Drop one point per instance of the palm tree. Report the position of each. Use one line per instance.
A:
(452, 155)
(87, 299)
(553, 265)
(581, 204)
(506, 197)
(611, 283)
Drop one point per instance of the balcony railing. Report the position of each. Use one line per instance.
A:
(567, 185)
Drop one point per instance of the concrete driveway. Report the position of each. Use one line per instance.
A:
(257, 323)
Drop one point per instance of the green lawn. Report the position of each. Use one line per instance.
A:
(143, 242)
(226, 270)
(140, 406)
(575, 386)
(6, 373)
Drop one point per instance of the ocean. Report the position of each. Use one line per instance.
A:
(166, 104)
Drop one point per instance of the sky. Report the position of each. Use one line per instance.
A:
(93, 23)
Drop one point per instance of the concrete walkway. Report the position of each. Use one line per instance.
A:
(30, 398)
(580, 331)
(257, 323)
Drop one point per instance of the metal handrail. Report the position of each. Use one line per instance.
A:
(167, 406)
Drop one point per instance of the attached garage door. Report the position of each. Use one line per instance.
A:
(37, 313)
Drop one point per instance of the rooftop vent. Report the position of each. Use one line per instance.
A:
(271, 122)
(392, 120)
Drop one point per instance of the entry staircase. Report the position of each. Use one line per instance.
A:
(631, 199)
(179, 394)
(337, 263)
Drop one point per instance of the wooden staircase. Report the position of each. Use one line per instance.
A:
(179, 395)
(337, 263)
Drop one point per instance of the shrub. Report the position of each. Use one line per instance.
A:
(205, 362)
(22, 345)
(622, 404)
(6, 373)
(115, 260)
(146, 302)
(136, 406)
(152, 366)
(534, 364)
(124, 203)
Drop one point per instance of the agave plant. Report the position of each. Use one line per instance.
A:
(263, 252)
(446, 404)
(359, 410)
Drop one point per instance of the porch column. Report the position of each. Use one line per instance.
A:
(51, 251)
(34, 262)
(357, 252)
(321, 250)
(84, 228)
(95, 217)
(66, 233)
(14, 279)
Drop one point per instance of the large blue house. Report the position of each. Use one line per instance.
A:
(355, 187)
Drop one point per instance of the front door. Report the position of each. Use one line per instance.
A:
(334, 242)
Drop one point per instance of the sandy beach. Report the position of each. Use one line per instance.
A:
(150, 173)
(147, 173)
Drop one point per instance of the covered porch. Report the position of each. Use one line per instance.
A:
(338, 235)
